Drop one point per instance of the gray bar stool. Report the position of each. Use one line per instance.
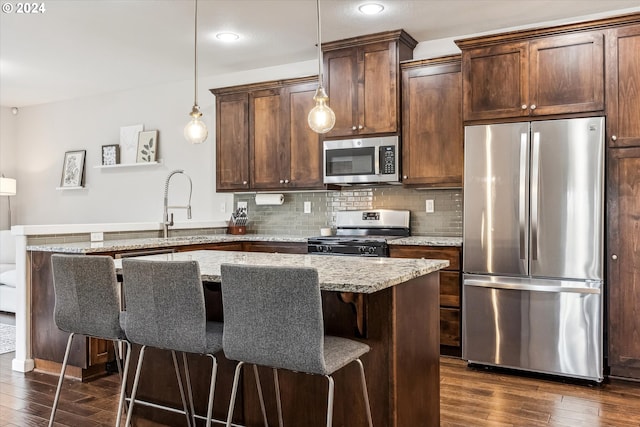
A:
(87, 302)
(273, 317)
(165, 309)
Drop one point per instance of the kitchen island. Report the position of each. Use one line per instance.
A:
(391, 304)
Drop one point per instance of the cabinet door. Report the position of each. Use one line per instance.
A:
(377, 88)
(305, 169)
(566, 74)
(624, 261)
(623, 87)
(432, 145)
(232, 142)
(269, 149)
(495, 82)
(341, 77)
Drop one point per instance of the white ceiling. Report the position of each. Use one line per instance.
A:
(85, 47)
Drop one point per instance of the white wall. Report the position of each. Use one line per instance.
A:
(34, 143)
(8, 167)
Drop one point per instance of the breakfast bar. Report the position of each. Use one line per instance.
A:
(391, 304)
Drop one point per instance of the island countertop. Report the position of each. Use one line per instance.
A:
(336, 273)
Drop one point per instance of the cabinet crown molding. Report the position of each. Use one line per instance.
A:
(273, 84)
(523, 35)
(400, 35)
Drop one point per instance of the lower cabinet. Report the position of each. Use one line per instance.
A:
(623, 266)
(450, 291)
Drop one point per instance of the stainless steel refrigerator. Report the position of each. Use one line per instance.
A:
(533, 246)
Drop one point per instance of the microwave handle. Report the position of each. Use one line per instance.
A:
(376, 160)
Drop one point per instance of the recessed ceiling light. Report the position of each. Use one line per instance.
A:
(227, 37)
(371, 8)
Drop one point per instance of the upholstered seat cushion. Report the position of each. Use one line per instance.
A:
(339, 352)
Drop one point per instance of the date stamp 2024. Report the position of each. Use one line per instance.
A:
(24, 8)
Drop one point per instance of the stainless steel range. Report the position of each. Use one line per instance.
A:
(362, 233)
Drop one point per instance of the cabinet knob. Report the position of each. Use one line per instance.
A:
(533, 106)
(360, 127)
(244, 182)
(282, 181)
(286, 181)
(353, 128)
(404, 177)
(614, 257)
(614, 138)
(524, 106)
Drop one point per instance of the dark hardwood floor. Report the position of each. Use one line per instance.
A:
(469, 397)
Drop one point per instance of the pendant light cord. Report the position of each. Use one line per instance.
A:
(319, 45)
(195, 55)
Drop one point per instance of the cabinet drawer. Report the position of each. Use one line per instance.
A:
(450, 289)
(450, 327)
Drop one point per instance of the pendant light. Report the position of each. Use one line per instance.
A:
(195, 131)
(321, 118)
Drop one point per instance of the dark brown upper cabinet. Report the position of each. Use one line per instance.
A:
(432, 131)
(623, 87)
(559, 74)
(263, 141)
(362, 78)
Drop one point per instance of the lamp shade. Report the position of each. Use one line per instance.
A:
(7, 186)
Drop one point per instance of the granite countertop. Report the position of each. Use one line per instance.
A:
(158, 242)
(427, 241)
(336, 273)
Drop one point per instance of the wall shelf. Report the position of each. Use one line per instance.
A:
(70, 188)
(128, 165)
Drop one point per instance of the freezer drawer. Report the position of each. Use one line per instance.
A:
(546, 326)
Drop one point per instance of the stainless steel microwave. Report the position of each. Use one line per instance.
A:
(362, 160)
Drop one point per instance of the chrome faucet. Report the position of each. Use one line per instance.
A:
(166, 222)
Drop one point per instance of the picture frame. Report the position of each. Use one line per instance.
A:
(111, 154)
(147, 146)
(129, 143)
(73, 169)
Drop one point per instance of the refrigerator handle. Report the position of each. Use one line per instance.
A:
(535, 177)
(522, 195)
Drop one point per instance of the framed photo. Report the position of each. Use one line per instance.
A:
(73, 169)
(110, 154)
(147, 146)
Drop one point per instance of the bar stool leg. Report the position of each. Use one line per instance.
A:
(181, 387)
(365, 393)
(123, 387)
(212, 387)
(234, 391)
(134, 390)
(64, 367)
(260, 397)
(278, 401)
(330, 401)
(189, 389)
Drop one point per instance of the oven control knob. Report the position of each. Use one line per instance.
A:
(372, 250)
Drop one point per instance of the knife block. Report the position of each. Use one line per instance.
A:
(237, 229)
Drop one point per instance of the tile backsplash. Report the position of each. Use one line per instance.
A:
(289, 218)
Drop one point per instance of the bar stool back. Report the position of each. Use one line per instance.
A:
(273, 317)
(87, 302)
(165, 309)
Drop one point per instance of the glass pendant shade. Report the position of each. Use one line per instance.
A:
(321, 118)
(196, 131)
